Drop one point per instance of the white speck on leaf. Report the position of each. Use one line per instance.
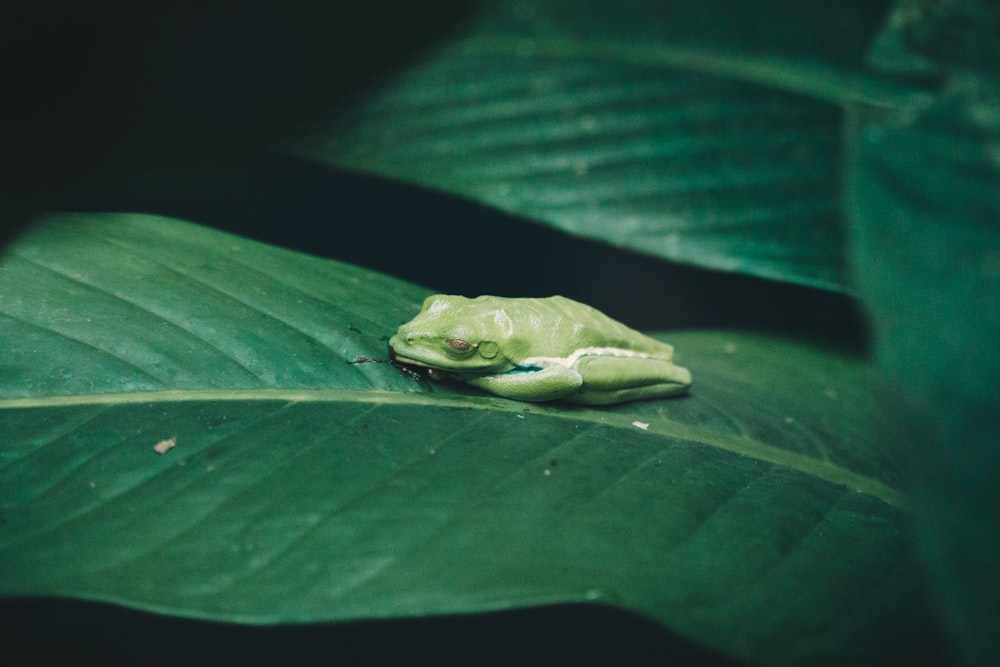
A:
(642, 425)
(164, 446)
(588, 123)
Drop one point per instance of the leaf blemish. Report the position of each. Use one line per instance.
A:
(164, 446)
(366, 360)
(407, 370)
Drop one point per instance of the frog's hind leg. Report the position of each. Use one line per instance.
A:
(542, 385)
(618, 379)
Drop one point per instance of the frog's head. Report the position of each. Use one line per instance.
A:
(454, 335)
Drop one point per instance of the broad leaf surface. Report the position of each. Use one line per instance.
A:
(689, 131)
(758, 515)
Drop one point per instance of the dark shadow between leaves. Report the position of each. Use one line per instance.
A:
(457, 246)
(58, 631)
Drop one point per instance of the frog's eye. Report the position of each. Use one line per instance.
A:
(458, 344)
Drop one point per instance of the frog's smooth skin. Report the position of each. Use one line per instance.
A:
(537, 350)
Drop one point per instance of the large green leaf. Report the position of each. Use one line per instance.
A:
(689, 131)
(758, 516)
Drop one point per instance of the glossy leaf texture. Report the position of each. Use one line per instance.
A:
(108, 303)
(688, 131)
(758, 516)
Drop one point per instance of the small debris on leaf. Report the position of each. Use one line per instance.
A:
(406, 369)
(366, 360)
(642, 425)
(164, 446)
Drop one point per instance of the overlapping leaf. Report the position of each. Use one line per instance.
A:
(925, 188)
(642, 125)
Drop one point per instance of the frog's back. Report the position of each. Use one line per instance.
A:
(558, 325)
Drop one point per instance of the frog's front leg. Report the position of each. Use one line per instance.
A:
(618, 379)
(546, 384)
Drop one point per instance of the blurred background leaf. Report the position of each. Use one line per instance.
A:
(701, 132)
(925, 201)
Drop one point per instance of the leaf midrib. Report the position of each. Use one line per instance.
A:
(814, 79)
(743, 446)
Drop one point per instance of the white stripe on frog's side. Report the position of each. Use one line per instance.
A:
(570, 361)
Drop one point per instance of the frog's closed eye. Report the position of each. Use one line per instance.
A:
(458, 344)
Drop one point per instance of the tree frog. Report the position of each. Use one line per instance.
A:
(537, 350)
